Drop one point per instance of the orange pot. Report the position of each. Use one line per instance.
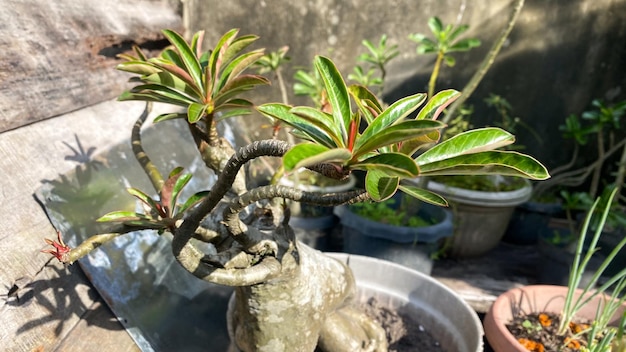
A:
(531, 299)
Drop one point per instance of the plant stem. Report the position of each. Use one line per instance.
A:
(96, 241)
(576, 177)
(487, 62)
(238, 229)
(435, 74)
(148, 167)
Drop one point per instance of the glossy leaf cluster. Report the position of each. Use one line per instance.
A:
(204, 83)
(159, 214)
(383, 141)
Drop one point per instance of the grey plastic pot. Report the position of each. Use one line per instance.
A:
(409, 246)
(480, 218)
(443, 314)
(440, 310)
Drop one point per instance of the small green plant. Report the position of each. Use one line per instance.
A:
(614, 289)
(377, 57)
(507, 120)
(273, 62)
(599, 124)
(531, 327)
(446, 41)
(388, 212)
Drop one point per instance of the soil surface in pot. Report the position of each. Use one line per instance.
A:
(538, 333)
(404, 331)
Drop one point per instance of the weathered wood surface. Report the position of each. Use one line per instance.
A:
(44, 306)
(58, 56)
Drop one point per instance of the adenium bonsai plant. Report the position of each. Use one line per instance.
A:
(288, 296)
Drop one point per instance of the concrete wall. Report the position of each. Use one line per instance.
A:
(560, 56)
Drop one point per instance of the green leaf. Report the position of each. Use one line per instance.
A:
(400, 132)
(394, 113)
(138, 67)
(238, 65)
(413, 145)
(337, 94)
(307, 154)
(171, 55)
(474, 141)
(144, 198)
(457, 32)
(196, 43)
(163, 91)
(464, 45)
(424, 195)
(393, 164)
(366, 101)
(169, 116)
(435, 25)
(187, 55)
(499, 162)
(233, 107)
(195, 112)
(380, 186)
(237, 86)
(229, 112)
(193, 200)
(181, 73)
(151, 96)
(123, 216)
(321, 120)
(217, 55)
(168, 80)
(167, 190)
(437, 104)
(283, 113)
(181, 182)
(449, 60)
(237, 45)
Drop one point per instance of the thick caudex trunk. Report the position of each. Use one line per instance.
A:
(310, 304)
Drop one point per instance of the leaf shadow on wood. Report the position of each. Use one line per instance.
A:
(62, 293)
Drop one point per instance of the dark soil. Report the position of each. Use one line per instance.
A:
(540, 329)
(404, 331)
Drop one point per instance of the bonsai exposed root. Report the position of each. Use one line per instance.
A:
(309, 305)
(349, 329)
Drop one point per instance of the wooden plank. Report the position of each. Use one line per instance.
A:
(59, 56)
(98, 330)
(52, 301)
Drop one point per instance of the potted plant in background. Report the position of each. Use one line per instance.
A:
(559, 318)
(396, 230)
(599, 125)
(546, 205)
(482, 205)
(245, 231)
(476, 229)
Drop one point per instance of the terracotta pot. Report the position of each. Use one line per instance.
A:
(533, 298)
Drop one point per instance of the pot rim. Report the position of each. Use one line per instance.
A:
(483, 198)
